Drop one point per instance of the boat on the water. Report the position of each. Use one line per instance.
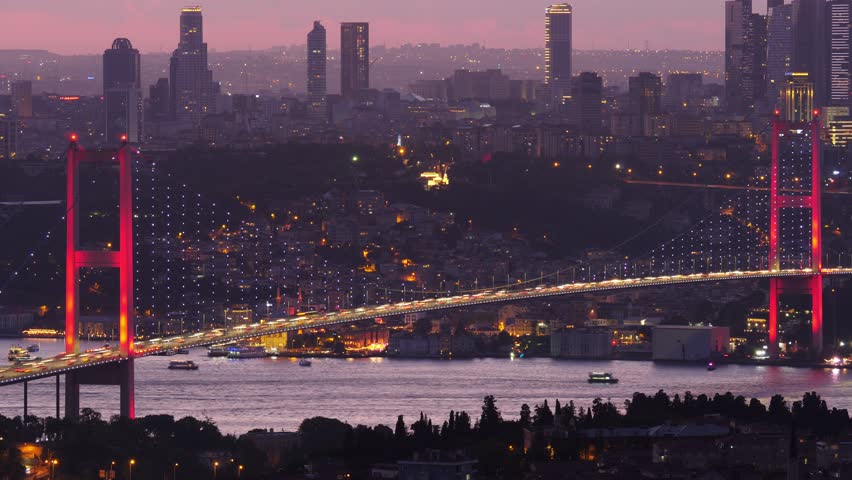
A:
(33, 348)
(187, 365)
(304, 362)
(242, 350)
(602, 377)
(219, 350)
(18, 354)
(182, 351)
(166, 353)
(711, 366)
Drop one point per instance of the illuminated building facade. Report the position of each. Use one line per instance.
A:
(839, 31)
(798, 98)
(557, 51)
(354, 58)
(317, 71)
(122, 92)
(645, 99)
(192, 92)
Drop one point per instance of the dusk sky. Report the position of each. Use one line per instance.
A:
(88, 26)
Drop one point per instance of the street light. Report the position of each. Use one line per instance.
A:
(130, 469)
(53, 466)
(111, 465)
(239, 471)
(174, 471)
(215, 469)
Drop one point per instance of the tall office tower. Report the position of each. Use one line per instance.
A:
(8, 137)
(557, 52)
(122, 93)
(645, 99)
(759, 38)
(839, 60)
(317, 71)
(22, 98)
(811, 45)
(158, 99)
(587, 94)
(354, 58)
(779, 50)
(798, 98)
(191, 84)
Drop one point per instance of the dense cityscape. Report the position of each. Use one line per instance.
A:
(348, 253)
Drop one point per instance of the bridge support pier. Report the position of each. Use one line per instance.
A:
(119, 374)
(811, 286)
(26, 400)
(57, 398)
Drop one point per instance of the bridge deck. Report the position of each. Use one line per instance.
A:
(69, 362)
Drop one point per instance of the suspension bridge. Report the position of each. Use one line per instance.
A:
(776, 235)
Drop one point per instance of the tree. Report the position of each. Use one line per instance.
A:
(401, 431)
(778, 411)
(524, 421)
(490, 419)
(543, 416)
(462, 423)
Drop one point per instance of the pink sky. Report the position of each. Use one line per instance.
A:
(89, 26)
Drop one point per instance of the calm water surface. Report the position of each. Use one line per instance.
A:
(276, 393)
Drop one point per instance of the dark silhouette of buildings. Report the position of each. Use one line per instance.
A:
(122, 93)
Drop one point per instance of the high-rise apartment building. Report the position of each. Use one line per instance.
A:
(839, 54)
(587, 94)
(122, 92)
(779, 52)
(22, 98)
(557, 51)
(158, 99)
(317, 75)
(191, 83)
(354, 58)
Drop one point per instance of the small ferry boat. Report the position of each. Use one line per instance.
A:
(304, 362)
(33, 348)
(219, 350)
(187, 365)
(247, 351)
(602, 377)
(18, 354)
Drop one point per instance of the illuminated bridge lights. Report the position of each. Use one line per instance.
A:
(59, 365)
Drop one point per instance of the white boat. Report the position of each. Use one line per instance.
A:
(247, 351)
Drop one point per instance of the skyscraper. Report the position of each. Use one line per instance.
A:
(354, 58)
(839, 60)
(557, 51)
(587, 94)
(158, 99)
(190, 81)
(22, 98)
(122, 92)
(739, 55)
(779, 59)
(811, 45)
(317, 71)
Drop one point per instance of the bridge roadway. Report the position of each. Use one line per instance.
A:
(66, 362)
